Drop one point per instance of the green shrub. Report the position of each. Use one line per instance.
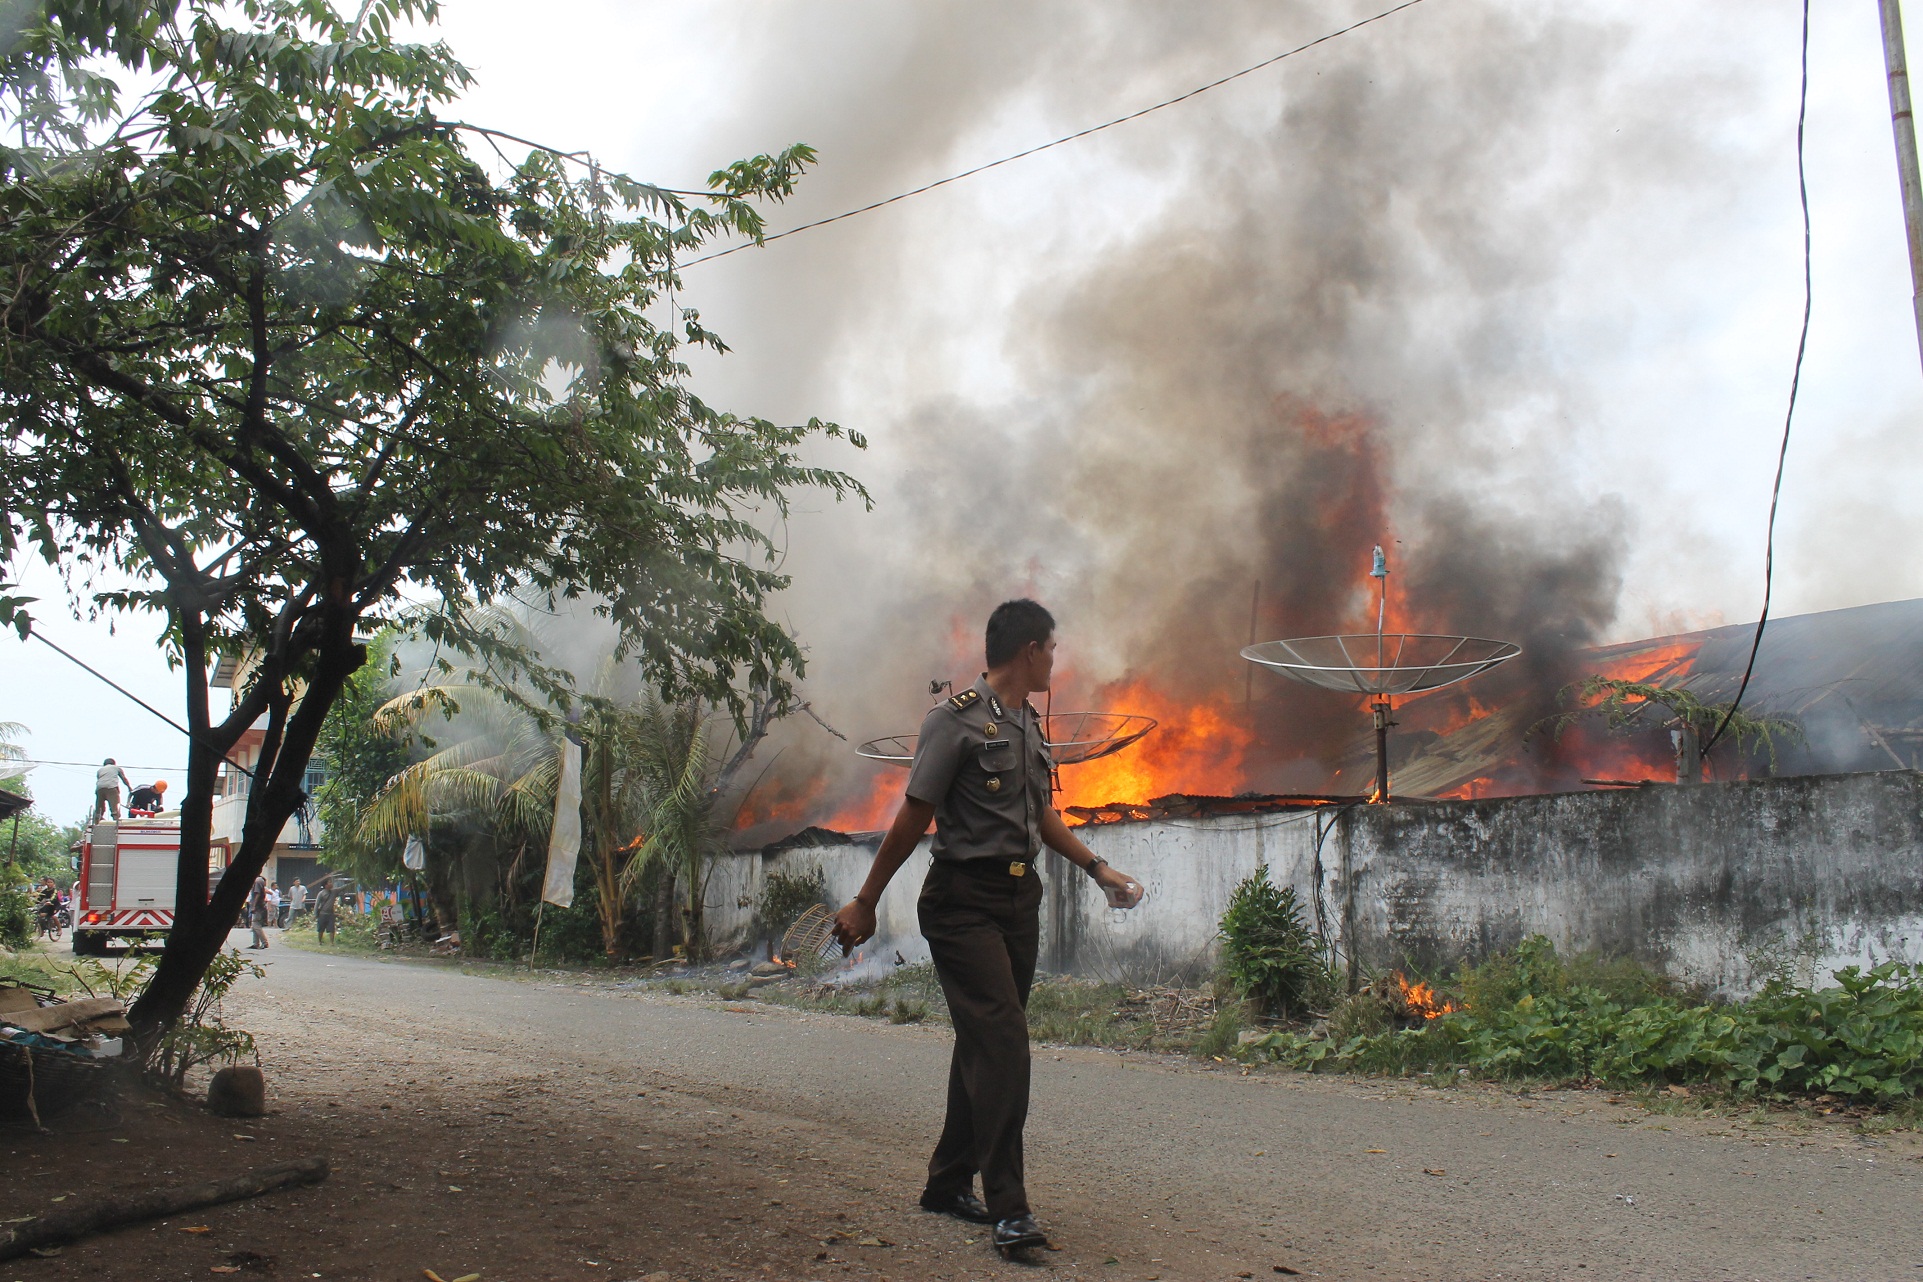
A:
(201, 1036)
(786, 896)
(16, 917)
(1269, 952)
(1533, 1015)
(1219, 1039)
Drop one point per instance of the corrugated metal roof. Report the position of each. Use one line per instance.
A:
(1852, 678)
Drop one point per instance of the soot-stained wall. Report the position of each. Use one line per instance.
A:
(1716, 883)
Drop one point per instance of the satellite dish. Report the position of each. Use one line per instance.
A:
(1380, 665)
(1072, 737)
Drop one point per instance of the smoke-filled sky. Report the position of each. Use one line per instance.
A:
(1517, 285)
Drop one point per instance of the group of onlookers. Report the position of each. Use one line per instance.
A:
(266, 906)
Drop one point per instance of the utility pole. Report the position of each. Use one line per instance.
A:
(1897, 66)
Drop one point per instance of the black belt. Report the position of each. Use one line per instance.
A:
(998, 869)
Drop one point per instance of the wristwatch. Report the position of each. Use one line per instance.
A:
(1095, 866)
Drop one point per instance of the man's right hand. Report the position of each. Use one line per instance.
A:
(854, 925)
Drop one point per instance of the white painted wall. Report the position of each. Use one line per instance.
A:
(1711, 882)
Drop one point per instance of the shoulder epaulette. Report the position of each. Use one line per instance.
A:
(962, 701)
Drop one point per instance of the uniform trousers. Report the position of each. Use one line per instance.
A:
(983, 927)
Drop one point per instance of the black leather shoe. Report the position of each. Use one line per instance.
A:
(1018, 1233)
(963, 1206)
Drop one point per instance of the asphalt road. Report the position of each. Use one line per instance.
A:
(1141, 1167)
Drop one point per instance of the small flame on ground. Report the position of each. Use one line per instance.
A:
(1420, 999)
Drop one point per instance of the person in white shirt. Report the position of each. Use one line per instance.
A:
(296, 899)
(106, 789)
(273, 905)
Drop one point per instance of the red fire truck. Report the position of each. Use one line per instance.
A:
(126, 887)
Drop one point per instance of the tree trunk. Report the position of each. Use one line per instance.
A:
(694, 930)
(98, 1216)
(607, 856)
(663, 911)
(201, 923)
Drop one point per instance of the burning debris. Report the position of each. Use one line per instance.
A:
(1178, 805)
(1412, 1002)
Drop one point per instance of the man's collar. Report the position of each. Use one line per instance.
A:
(993, 700)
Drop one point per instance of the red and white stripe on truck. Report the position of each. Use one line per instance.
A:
(128, 872)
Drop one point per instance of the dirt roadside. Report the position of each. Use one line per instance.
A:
(550, 1129)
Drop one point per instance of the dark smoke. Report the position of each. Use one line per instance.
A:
(1323, 332)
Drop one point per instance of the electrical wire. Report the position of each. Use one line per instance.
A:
(1795, 382)
(97, 674)
(1057, 142)
(90, 765)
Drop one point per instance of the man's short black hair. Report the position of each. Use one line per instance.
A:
(1016, 624)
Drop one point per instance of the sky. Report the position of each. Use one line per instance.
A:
(1552, 259)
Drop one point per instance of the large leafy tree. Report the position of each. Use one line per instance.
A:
(287, 347)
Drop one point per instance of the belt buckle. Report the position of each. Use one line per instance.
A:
(1018, 869)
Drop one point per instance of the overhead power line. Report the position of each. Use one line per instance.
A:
(98, 675)
(1795, 381)
(90, 765)
(1057, 142)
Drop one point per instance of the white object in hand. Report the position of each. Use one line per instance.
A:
(1126, 895)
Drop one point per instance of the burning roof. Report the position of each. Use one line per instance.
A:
(1179, 805)
(1852, 678)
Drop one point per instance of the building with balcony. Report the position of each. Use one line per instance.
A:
(298, 853)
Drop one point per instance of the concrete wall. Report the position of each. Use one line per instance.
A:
(1710, 882)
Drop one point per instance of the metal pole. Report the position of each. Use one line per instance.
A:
(1382, 724)
(1901, 121)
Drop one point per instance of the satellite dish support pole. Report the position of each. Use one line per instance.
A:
(1379, 571)
(1382, 724)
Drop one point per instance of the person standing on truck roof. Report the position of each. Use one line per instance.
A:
(257, 912)
(106, 789)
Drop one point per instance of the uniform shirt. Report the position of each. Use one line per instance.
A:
(985, 769)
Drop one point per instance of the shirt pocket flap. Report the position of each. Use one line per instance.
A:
(997, 755)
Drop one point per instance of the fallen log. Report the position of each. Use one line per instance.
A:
(88, 1218)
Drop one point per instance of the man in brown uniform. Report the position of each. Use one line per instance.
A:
(981, 772)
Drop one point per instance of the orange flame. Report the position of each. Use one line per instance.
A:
(876, 810)
(1420, 999)
(1200, 747)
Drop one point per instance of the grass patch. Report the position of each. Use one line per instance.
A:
(354, 933)
(1533, 1015)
